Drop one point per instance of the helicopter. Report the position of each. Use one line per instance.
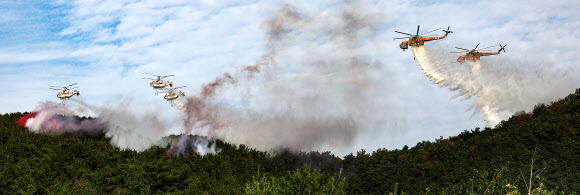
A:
(159, 83)
(171, 95)
(475, 54)
(65, 93)
(418, 39)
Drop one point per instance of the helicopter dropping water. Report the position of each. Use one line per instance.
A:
(474, 54)
(65, 92)
(418, 39)
(172, 96)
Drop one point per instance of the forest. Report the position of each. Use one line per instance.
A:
(532, 152)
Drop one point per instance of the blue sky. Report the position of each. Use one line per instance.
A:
(106, 46)
(27, 22)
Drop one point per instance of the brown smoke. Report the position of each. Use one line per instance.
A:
(199, 113)
(321, 93)
(280, 23)
(209, 89)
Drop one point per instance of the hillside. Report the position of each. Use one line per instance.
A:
(467, 161)
(476, 161)
(78, 163)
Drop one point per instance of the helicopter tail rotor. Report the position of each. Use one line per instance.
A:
(501, 48)
(448, 31)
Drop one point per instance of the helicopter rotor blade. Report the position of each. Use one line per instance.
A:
(458, 52)
(404, 38)
(488, 47)
(404, 33)
(431, 31)
(71, 84)
(418, 29)
(173, 89)
(150, 78)
(476, 46)
(462, 48)
(150, 74)
(162, 77)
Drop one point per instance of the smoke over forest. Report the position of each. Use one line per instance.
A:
(319, 94)
(317, 86)
(303, 97)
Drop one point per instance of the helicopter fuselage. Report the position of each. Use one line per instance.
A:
(419, 41)
(161, 84)
(473, 56)
(413, 42)
(172, 96)
(470, 57)
(67, 94)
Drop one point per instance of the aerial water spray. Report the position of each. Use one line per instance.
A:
(500, 87)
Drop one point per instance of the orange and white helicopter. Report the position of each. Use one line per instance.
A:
(171, 95)
(418, 39)
(158, 83)
(64, 93)
(475, 54)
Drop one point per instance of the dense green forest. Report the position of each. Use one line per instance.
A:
(490, 161)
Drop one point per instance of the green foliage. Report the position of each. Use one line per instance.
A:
(301, 181)
(482, 161)
(84, 164)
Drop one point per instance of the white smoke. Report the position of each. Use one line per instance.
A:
(203, 146)
(127, 129)
(325, 88)
(192, 144)
(133, 130)
(55, 118)
(500, 87)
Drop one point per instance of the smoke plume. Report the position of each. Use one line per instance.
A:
(316, 87)
(501, 87)
(54, 118)
(127, 130)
